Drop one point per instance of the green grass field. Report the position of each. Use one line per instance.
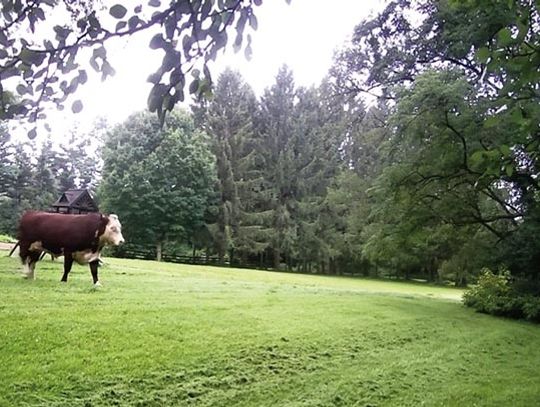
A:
(173, 335)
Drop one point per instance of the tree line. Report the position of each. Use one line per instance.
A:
(33, 176)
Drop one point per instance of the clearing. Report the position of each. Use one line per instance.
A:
(162, 334)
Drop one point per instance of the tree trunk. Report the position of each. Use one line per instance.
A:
(159, 250)
(231, 257)
(277, 258)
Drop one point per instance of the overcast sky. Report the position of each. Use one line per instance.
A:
(302, 35)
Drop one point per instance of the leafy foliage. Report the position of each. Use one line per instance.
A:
(461, 159)
(495, 294)
(34, 176)
(159, 181)
(46, 63)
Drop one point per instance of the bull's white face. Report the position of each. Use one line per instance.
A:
(113, 232)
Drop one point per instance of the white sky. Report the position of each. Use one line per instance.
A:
(302, 35)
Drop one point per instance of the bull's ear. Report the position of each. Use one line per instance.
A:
(113, 216)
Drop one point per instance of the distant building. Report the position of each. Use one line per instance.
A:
(75, 201)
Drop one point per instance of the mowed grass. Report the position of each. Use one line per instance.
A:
(173, 335)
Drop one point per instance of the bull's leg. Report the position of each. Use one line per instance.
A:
(30, 264)
(27, 270)
(68, 262)
(94, 270)
(25, 258)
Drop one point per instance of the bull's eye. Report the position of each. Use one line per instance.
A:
(114, 229)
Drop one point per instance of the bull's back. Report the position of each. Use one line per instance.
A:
(73, 232)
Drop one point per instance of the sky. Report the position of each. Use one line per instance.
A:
(303, 35)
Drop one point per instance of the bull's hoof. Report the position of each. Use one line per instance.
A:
(97, 284)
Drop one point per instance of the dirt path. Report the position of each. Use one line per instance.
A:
(6, 246)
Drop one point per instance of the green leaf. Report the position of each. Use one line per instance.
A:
(157, 41)
(120, 25)
(77, 106)
(118, 11)
(504, 37)
(31, 57)
(83, 77)
(491, 121)
(248, 52)
(170, 26)
(107, 70)
(477, 157)
(194, 86)
(505, 150)
(186, 44)
(21, 89)
(516, 116)
(133, 22)
(253, 21)
(154, 78)
(509, 168)
(483, 54)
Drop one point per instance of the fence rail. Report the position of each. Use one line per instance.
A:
(142, 254)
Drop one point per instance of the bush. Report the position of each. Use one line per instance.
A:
(531, 308)
(7, 239)
(496, 294)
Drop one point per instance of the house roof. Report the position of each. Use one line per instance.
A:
(77, 199)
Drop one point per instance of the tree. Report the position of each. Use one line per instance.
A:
(5, 159)
(17, 194)
(349, 202)
(159, 181)
(279, 151)
(78, 163)
(228, 120)
(318, 135)
(465, 79)
(47, 62)
(6, 181)
(44, 182)
(431, 190)
(494, 45)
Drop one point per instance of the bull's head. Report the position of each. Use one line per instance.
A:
(113, 232)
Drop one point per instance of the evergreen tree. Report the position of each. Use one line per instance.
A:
(280, 149)
(44, 182)
(228, 119)
(7, 174)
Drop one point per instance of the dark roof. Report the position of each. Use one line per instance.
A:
(77, 199)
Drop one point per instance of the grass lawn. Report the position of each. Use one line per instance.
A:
(167, 335)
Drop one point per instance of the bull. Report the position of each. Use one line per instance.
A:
(78, 238)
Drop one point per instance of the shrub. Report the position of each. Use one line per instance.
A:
(496, 294)
(531, 308)
(7, 239)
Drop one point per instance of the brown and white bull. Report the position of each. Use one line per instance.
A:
(78, 238)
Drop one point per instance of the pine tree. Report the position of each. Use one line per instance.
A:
(44, 181)
(280, 187)
(228, 119)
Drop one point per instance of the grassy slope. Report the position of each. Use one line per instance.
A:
(162, 334)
